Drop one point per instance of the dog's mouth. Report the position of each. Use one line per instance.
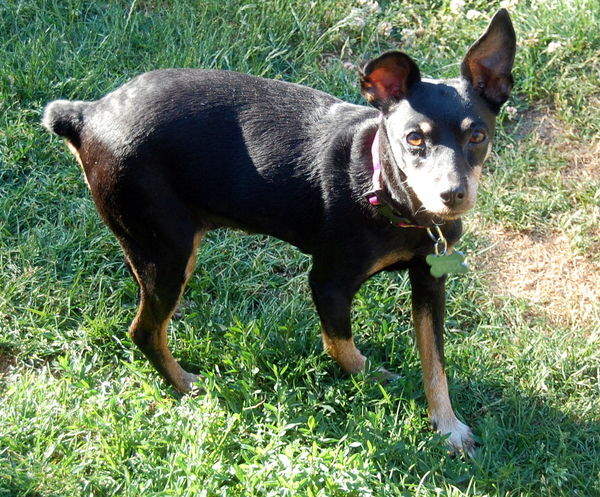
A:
(450, 214)
(443, 213)
(433, 204)
(444, 198)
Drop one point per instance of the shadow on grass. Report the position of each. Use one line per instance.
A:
(528, 445)
(19, 488)
(531, 445)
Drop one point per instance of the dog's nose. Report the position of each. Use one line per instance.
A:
(453, 197)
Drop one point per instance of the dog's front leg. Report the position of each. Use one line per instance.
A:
(332, 294)
(428, 300)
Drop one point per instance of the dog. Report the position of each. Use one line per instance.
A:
(175, 153)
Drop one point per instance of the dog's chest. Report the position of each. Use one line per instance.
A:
(388, 258)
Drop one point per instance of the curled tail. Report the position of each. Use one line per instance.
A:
(65, 118)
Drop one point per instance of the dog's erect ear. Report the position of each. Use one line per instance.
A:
(388, 78)
(488, 63)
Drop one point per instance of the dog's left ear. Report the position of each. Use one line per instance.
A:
(488, 63)
(388, 78)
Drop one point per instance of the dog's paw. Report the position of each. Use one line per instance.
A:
(383, 376)
(192, 383)
(459, 437)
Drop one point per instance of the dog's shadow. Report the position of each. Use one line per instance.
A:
(530, 443)
(527, 444)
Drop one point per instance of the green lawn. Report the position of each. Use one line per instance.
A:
(83, 414)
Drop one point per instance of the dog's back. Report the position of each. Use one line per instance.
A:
(205, 134)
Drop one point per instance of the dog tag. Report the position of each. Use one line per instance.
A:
(447, 263)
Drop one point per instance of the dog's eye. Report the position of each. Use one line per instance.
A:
(477, 137)
(415, 139)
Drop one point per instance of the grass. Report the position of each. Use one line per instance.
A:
(83, 414)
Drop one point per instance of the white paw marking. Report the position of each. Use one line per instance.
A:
(192, 382)
(460, 437)
(382, 375)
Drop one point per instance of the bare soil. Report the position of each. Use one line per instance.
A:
(543, 268)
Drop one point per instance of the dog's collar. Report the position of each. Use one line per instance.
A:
(379, 198)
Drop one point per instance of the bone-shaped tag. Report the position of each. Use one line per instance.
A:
(447, 263)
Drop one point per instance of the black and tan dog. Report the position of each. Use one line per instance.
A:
(175, 153)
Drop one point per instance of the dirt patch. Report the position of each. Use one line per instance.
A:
(7, 361)
(584, 161)
(542, 122)
(583, 157)
(562, 286)
(559, 283)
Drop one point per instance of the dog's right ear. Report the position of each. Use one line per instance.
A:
(388, 78)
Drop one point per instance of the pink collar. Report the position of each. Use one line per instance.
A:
(384, 208)
(376, 182)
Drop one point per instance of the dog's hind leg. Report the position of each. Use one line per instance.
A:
(162, 275)
(159, 237)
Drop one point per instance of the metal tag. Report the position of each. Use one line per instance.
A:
(447, 263)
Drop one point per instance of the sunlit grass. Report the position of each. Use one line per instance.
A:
(82, 412)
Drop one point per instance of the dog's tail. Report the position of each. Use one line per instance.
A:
(65, 118)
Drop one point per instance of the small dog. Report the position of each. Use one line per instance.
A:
(174, 153)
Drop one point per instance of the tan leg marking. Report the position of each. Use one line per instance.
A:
(436, 387)
(191, 264)
(434, 377)
(75, 152)
(189, 269)
(162, 358)
(388, 260)
(345, 353)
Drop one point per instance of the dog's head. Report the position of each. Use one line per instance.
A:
(440, 131)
